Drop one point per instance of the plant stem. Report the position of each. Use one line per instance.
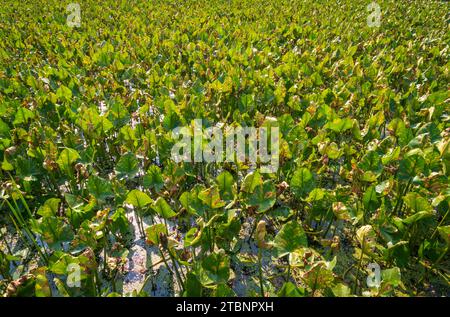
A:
(261, 285)
(359, 266)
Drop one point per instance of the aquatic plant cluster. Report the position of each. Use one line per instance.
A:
(352, 96)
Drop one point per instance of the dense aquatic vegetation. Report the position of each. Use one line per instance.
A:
(358, 206)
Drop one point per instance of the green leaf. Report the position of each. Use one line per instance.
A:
(163, 209)
(290, 290)
(50, 207)
(42, 287)
(316, 194)
(5, 131)
(391, 276)
(371, 162)
(153, 232)
(138, 199)
(6, 166)
(211, 198)
(411, 165)
(403, 133)
(63, 93)
(192, 237)
(332, 151)
(302, 182)
(370, 199)
(290, 238)
(193, 287)
(99, 187)
(223, 290)
(23, 115)
(340, 125)
(341, 290)
(225, 182)
(119, 221)
(250, 182)
(217, 267)
(153, 178)
(54, 231)
(416, 202)
(127, 167)
(66, 158)
(263, 197)
(391, 155)
(444, 232)
(417, 216)
(191, 202)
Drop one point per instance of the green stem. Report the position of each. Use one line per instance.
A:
(359, 266)
(440, 223)
(261, 285)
